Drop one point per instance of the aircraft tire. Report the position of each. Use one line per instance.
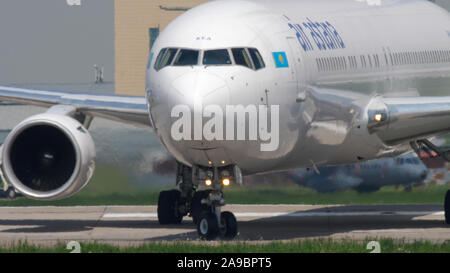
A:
(447, 207)
(230, 223)
(207, 226)
(168, 207)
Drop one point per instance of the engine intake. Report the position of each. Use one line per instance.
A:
(48, 157)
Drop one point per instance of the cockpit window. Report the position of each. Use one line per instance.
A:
(158, 59)
(165, 57)
(241, 57)
(216, 57)
(248, 57)
(186, 57)
(256, 58)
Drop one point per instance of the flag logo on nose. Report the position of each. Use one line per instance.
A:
(280, 59)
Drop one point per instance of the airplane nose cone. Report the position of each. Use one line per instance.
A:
(424, 174)
(179, 106)
(199, 87)
(203, 97)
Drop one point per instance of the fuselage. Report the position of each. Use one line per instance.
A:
(397, 47)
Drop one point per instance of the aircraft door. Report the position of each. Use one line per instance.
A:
(298, 65)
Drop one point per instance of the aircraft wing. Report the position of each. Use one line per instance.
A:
(395, 120)
(127, 109)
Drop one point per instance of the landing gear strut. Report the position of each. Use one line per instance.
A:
(204, 206)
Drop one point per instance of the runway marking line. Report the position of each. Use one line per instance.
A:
(294, 214)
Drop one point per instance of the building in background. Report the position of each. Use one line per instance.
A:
(137, 24)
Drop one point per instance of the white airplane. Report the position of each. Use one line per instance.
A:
(242, 87)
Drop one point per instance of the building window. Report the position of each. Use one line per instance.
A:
(153, 34)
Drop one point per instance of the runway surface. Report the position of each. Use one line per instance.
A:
(129, 225)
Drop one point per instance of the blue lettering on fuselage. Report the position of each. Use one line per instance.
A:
(302, 38)
(323, 34)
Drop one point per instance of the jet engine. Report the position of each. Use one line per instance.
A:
(48, 157)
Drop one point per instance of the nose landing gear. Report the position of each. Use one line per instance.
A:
(212, 222)
(203, 206)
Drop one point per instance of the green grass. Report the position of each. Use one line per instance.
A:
(110, 186)
(303, 246)
(256, 195)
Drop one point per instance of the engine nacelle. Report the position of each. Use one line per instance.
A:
(48, 157)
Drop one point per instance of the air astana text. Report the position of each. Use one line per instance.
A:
(323, 34)
(259, 126)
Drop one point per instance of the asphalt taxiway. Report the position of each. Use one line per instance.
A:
(260, 223)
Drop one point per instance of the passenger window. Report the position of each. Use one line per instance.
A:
(186, 57)
(241, 57)
(216, 57)
(165, 57)
(257, 58)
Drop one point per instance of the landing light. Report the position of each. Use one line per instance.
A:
(226, 182)
(208, 182)
(378, 117)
